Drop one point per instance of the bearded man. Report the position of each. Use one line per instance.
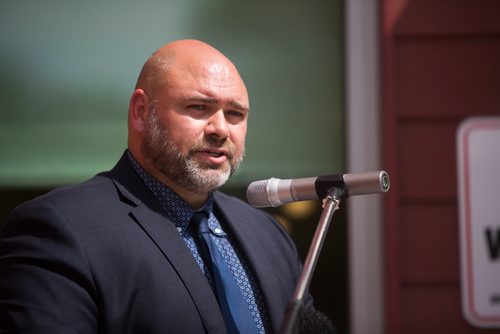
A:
(119, 253)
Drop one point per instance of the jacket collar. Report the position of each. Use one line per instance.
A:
(147, 212)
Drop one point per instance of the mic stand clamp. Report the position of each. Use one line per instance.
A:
(295, 306)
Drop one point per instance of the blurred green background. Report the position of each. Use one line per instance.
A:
(67, 69)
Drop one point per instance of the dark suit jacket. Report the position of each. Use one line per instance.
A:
(100, 257)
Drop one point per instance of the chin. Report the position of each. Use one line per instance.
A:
(204, 181)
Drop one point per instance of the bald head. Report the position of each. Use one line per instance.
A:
(185, 54)
(188, 118)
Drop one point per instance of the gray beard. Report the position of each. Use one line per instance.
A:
(183, 169)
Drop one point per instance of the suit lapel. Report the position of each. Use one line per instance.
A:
(257, 259)
(163, 233)
(148, 214)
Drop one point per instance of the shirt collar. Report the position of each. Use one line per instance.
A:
(176, 209)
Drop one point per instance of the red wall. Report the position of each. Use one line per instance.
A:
(440, 64)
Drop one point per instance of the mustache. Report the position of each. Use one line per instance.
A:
(209, 143)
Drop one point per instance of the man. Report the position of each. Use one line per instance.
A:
(117, 253)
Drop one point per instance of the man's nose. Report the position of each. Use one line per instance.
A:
(217, 125)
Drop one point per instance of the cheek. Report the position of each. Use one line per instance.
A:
(184, 132)
(185, 138)
(238, 136)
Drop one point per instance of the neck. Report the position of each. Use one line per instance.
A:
(195, 200)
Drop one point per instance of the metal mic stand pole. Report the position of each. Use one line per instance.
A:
(294, 309)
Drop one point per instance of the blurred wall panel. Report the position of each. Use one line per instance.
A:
(440, 64)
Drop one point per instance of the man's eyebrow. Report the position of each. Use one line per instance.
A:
(209, 100)
(239, 106)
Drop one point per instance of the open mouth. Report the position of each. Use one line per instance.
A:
(214, 154)
(215, 157)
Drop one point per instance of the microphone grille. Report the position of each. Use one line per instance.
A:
(257, 194)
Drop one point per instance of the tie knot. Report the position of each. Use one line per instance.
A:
(199, 222)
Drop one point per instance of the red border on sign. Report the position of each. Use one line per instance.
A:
(479, 124)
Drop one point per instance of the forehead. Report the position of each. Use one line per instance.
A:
(215, 79)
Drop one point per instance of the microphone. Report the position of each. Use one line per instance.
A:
(275, 192)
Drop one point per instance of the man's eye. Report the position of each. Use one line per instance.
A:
(197, 107)
(235, 113)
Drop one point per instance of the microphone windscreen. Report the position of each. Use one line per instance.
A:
(257, 194)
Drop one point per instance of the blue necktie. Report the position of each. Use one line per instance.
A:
(237, 316)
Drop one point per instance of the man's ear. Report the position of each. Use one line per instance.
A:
(137, 113)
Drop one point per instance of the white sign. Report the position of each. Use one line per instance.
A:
(478, 160)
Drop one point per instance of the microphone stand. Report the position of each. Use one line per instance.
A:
(293, 312)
